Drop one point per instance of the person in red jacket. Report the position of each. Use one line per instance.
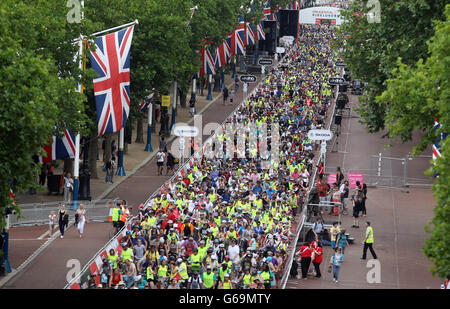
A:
(305, 254)
(318, 255)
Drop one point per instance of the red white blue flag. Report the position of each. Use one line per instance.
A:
(144, 105)
(250, 37)
(238, 40)
(111, 62)
(208, 66)
(267, 11)
(438, 143)
(57, 148)
(260, 33)
(222, 55)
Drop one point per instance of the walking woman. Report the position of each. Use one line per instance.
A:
(363, 204)
(68, 188)
(336, 261)
(52, 223)
(317, 258)
(63, 219)
(82, 218)
(305, 253)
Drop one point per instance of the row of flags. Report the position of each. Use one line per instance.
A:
(437, 144)
(111, 62)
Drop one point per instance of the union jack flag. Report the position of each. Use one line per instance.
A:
(250, 37)
(57, 148)
(267, 11)
(207, 60)
(222, 55)
(260, 33)
(437, 145)
(145, 104)
(238, 40)
(227, 42)
(111, 62)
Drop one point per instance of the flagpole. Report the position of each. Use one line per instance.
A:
(209, 96)
(174, 104)
(136, 22)
(76, 168)
(120, 169)
(148, 147)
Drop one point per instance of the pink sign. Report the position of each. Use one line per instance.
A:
(331, 179)
(353, 178)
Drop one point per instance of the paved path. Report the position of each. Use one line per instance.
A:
(49, 269)
(397, 216)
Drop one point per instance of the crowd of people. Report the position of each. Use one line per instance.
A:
(227, 222)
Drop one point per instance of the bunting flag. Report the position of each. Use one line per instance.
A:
(207, 60)
(267, 11)
(146, 103)
(260, 33)
(222, 55)
(250, 37)
(57, 148)
(437, 144)
(238, 40)
(111, 62)
(230, 48)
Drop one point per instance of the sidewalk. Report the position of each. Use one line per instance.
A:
(133, 159)
(397, 216)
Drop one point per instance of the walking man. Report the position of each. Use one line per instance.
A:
(368, 242)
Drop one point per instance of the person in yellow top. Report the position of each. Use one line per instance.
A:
(226, 283)
(112, 258)
(368, 242)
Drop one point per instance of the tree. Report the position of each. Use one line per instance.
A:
(416, 96)
(371, 50)
(36, 88)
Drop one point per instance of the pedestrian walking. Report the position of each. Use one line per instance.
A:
(63, 219)
(170, 163)
(113, 164)
(318, 256)
(368, 242)
(357, 198)
(160, 161)
(305, 253)
(80, 219)
(113, 147)
(192, 107)
(52, 223)
(336, 262)
(236, 83)
(225, 95)
(108, 171)
(231, 96)
(335, 230)
(342, 240)
(363, 204)
(68, 188)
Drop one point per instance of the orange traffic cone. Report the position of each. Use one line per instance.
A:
(110, 213)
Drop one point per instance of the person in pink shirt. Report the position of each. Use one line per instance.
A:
(295, 174)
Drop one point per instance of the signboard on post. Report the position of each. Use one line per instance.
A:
(323, 147)
(185, 131)
(336, 81)
(248, 78)
(353, 178)
(165, 100)
(280, 50)
(320, 135)
(265, 61)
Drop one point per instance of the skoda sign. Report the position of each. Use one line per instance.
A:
(320, 135)
(265, 61)
(185, 131)
(336, 81)
(247, 78)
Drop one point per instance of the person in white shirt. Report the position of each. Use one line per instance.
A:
(233, 253)
(160, 161)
